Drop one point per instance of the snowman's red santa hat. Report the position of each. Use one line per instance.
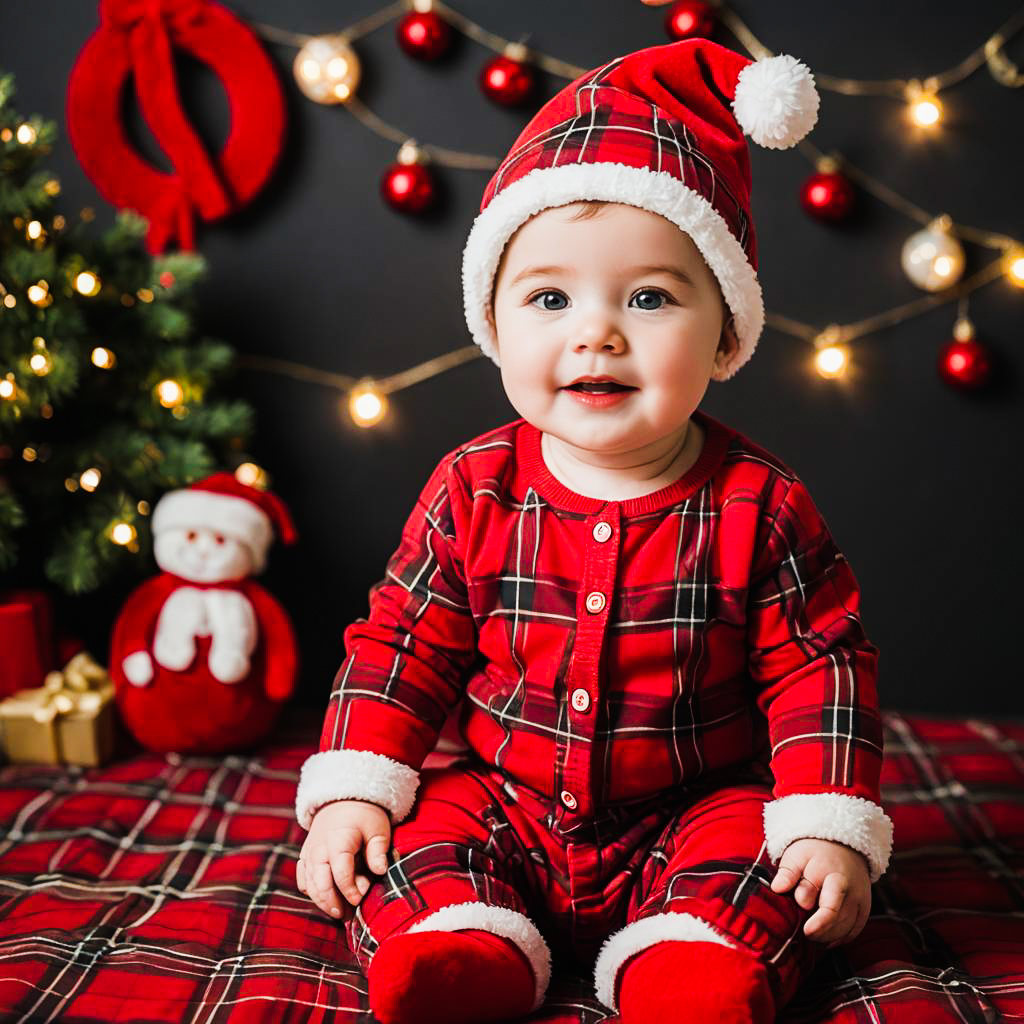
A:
(226, 505)
(661, 129)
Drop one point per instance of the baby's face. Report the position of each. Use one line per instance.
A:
(597, 297)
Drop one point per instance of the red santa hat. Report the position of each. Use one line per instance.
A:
(225, 504)
(661, 129)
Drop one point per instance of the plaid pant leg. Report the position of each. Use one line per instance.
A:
(460, 860)
(708, 878)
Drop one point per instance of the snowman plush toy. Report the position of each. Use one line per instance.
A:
(202, 656)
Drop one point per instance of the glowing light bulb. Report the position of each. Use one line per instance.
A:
(103, 358)
(26, 134)
(52, 187)
(40, 364)
(87, 283)
(252, 475)
(90, 479)
(366, 405)
(923, 106)
(10, 301)
(33, 229)
(831, 361)
(122, 533)
(1014, 264)
(169, 393)
(39, 294)
(7, 388)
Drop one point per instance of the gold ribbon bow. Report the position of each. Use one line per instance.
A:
(81, 686)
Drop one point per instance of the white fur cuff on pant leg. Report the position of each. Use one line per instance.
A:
(640, 935)
(510, 924)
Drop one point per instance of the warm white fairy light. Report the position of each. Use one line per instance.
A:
(169, 393)
(251, 475)
(39, 294)
(26, 134)
(40, 364)
(90, 479)
(33, 229)
(1014, 264)
(103, 358)
(366, 405)
(122, 533)
(8, 389)
(87, 283)
(923, 106)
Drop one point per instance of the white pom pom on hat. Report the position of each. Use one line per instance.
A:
(776, 103)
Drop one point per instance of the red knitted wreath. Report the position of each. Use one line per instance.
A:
(137, 36)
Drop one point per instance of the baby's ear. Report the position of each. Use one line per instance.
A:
(729, 341)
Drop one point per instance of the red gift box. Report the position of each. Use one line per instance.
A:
(26, 638)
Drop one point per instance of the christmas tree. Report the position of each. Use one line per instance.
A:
(106, 393)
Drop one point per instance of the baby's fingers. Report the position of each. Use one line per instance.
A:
(326, 897)
(832, 917)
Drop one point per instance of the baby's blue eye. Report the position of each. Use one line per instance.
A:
(546, 295)
(661, 296)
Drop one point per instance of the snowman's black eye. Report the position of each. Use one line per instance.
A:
(191, 535)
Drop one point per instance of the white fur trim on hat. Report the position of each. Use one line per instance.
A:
(640, 935)
(225, 513)
(354, 775)
(657, 191)
(851, 820)
(510, 924)
(775, 101)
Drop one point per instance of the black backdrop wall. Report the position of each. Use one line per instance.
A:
(919, 484)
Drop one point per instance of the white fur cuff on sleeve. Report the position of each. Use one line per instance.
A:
(355, 775)
(851, 820)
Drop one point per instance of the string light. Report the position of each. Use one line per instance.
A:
(10, 301)
(1015, 267)
(169, 393)
(327, 69)
(52, 187)
(143, 508)
(90, 479)
(251, 475)
(831, 358)
(8, 389)
(145, 295)
(26, 134)
(39, 294)
(87, 283)
(923, 106)
(103, 358)
(366, 405)
(40, 364)
(33, 230)
(122, 533)
(29, 454)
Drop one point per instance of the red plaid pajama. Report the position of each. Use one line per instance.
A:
(607, 656)
(690, 867)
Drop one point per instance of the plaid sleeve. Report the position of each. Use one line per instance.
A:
(405, 666)
(815, 674)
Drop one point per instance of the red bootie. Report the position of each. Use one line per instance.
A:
(694, 981)
(463, 977)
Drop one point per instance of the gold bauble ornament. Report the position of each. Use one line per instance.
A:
(327, 69)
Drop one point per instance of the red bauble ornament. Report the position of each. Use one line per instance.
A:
(426, 35)
(507, 81)
(965, 365)
(689, 19)
(827, 195)
(408, 187)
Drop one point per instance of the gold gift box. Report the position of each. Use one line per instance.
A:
(68, 720)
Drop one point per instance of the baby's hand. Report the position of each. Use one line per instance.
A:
(327, 862)
(833, 876)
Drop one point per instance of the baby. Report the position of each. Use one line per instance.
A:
(666, 698)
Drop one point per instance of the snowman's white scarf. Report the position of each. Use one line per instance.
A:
(224, 614)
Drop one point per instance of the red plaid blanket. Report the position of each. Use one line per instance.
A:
(163, 889)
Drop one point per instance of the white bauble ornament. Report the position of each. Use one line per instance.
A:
(932, 258)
